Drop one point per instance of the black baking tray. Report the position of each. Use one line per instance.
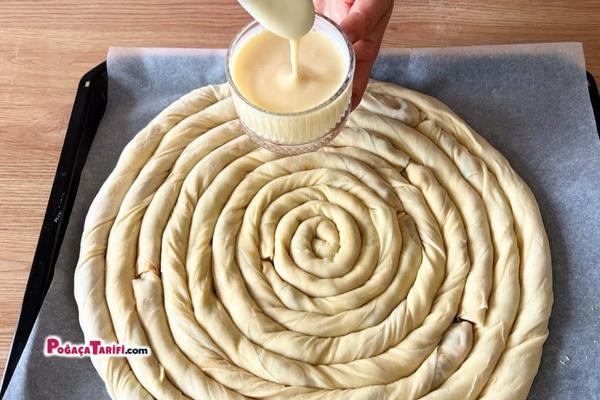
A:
(89, 106)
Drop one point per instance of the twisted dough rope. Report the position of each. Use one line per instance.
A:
(405, 260)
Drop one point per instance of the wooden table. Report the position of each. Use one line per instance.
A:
(46, 46)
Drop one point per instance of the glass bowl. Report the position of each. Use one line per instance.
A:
(316, 126)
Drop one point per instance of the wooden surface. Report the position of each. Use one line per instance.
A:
(46, 46)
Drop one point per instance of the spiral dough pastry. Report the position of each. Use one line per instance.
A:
(405, 260)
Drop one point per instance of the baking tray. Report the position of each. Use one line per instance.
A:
(90, 104)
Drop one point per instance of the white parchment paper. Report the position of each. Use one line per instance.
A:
(529, 101)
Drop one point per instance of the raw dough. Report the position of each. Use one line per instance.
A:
(405, 260)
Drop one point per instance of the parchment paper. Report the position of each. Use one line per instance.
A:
(530, 101)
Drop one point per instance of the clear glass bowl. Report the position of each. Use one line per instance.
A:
(318, 125)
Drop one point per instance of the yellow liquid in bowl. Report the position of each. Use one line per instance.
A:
(263, 71)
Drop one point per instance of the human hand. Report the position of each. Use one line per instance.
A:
(364, 22)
